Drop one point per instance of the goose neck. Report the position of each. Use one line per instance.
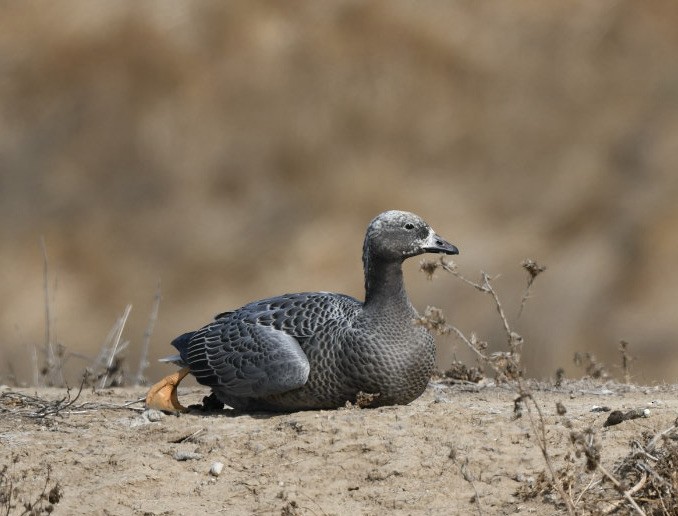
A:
(384, 284)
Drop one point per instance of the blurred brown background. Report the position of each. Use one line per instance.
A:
(234, 151)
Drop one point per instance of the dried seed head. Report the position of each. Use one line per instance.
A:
(447, 265)
(533, 268)
(428, 267)
(433, 320)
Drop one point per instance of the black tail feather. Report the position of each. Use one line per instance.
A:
(181, 342)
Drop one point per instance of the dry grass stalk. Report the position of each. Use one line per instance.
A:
(108, 362)
(112, 353)
(52, 370)
(140, 379)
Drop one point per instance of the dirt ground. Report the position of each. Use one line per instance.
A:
(459, 449)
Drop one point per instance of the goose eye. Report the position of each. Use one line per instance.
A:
(409, 226)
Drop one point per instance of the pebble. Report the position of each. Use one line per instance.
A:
(153, 415)
(146, 417)
(216, 468)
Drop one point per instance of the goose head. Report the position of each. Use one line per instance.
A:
(396, 235)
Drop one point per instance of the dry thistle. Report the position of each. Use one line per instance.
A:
(480, 345)
(429, 267)
(433, 320)
(586, 443)
(534, 270)
(447, 265)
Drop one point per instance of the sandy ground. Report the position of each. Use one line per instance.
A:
(459, 449)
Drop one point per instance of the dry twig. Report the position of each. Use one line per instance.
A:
(33, 407)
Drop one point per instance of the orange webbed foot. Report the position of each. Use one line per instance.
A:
(163, 395)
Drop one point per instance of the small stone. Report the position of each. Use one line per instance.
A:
(153, 415)
(216, 468)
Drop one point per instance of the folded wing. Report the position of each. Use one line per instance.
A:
(244, 359)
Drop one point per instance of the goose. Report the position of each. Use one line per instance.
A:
(318, 350)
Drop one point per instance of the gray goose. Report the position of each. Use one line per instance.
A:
(318, 350)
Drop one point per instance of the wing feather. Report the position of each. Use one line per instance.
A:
(257, 350)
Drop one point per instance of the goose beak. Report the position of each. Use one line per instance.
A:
(436, 244)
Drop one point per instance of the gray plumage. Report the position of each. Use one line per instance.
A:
(317, 350)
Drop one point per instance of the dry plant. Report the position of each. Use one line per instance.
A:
(106, 370)
(107, 367)
(16, 404)
(591, 366)
(505, 364)
(533, 270)
(645, 481)
(51, 372)
(140, 379)
(626, 360)
(467, 475)
(13, 500)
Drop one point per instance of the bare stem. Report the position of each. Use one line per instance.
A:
(116, 343)
(52, 358)
(487, 287)
(143, 360)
